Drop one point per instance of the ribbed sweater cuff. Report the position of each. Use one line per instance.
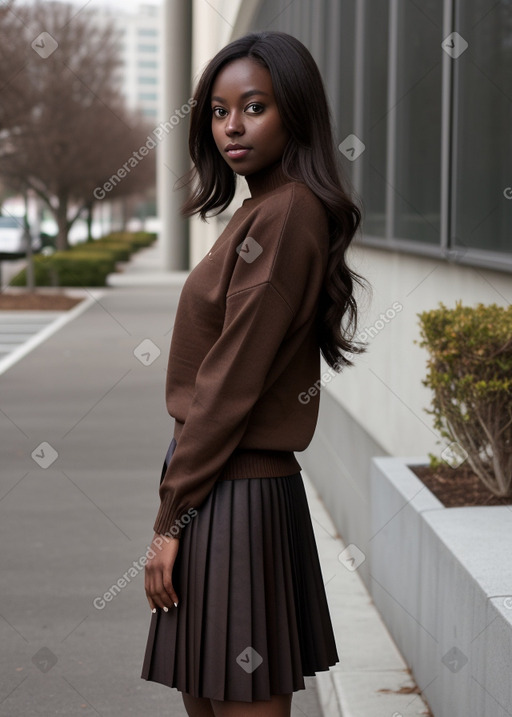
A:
(166, 523)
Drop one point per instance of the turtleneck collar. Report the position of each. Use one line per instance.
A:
(266, 180)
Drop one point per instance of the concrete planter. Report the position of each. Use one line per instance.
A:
(441, 579)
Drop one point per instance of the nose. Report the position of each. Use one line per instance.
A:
(234, 124)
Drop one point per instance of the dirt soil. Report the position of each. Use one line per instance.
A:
(37, 302)
(457, 487)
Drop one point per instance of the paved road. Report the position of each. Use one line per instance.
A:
(84, 430)
(17, 327)
(8, 269)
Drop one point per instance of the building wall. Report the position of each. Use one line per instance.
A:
(378, 406)
(142, 59)
(383, 392)
(140, 44)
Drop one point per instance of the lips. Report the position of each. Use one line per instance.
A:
(236, 150)
(234, 153)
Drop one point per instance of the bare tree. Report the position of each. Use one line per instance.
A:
(76, 131)
(13, 59)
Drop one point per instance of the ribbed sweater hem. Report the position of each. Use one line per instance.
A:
(254, 463)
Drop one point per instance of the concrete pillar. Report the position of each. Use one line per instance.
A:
(173, 159)
(215, 24)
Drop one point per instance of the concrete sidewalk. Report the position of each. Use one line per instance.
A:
(85, 427)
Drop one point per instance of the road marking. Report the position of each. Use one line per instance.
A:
(22, 331)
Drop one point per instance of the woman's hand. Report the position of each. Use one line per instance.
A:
(158, 572)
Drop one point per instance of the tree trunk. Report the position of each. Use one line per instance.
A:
(89, 221)
(61, 216)
(124, 213)
(29, 270)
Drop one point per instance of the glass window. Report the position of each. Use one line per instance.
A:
(339, 71)
(391, 98)
(147, 80)
(482, 122)
(147, 64)
(375, 88)
(147, 48)
(147, 31)
(417, 175)
(148, 96)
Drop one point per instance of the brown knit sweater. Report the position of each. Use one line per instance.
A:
(244, 348)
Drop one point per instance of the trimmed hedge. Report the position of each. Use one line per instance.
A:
(120, 251)
(85, 264)
(138, 240)
(470, 374)
(66, 268)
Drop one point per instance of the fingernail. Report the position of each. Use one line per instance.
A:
(166, 609)
(175, 604)
(154, 609)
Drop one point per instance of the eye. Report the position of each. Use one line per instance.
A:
(257, 107)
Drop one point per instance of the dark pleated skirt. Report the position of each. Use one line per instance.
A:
(252, 618)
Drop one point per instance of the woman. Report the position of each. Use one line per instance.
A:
(239, 608)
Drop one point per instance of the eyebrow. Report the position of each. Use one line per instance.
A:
(249, 93)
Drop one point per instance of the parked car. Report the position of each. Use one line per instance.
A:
(12, 237)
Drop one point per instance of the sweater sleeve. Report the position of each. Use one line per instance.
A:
(228, 384)
(231, 378)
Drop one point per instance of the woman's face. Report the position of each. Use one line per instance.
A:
(244, 113)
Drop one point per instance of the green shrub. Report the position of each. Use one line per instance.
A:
(42, 277)
(69, 268)
(470, 374)
(120, 251)
(87, 263)
(137, 239)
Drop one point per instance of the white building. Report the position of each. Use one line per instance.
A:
(141, 57)
(140, 30)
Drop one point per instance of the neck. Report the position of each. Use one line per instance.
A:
(267, 179)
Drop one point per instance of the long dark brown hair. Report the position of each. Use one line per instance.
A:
(309, 157)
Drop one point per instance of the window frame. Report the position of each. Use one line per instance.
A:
(445, 249)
